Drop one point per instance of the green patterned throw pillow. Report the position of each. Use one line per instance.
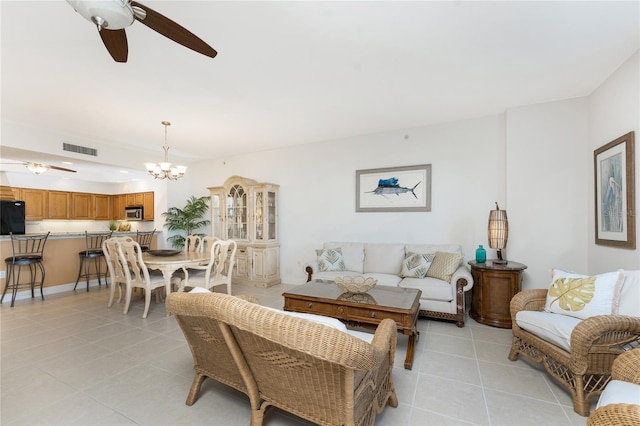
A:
(582, 296)
(330, 260)
(416, 265)
(444, 265)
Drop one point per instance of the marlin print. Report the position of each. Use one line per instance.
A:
(391, 187)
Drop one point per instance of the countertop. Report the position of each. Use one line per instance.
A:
(72, 234)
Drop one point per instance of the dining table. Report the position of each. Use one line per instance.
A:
(169, 261)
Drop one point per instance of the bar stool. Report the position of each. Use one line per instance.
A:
(28, 250)
(92, 255)
(144, 239)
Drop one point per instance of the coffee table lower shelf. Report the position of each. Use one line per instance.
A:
(302, 299)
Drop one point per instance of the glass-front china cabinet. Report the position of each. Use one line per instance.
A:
(247, 211)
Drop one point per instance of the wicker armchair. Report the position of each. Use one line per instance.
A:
(595, 343)
(626, 368)
(313, 371)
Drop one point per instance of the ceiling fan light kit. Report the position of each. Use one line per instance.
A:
(111, 17)
(37, 168)
(165, 170)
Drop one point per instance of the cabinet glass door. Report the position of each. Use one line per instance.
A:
(259, 215)
(237, 213)
(215, 223)
(271, 214)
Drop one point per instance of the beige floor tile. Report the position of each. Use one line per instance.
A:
(450, 367)
(508, 409)
(515, 380)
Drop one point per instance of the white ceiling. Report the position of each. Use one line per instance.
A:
(300, 72)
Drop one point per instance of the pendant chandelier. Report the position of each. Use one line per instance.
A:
(165, 170)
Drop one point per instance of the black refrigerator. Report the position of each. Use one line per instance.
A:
(11, 217)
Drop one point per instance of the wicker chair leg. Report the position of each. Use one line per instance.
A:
(580, 401)
(513, 352)
(198, 379)
(393, 399)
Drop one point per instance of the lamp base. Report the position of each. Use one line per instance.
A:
(500, 262)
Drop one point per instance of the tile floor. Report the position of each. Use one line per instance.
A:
(70, 360)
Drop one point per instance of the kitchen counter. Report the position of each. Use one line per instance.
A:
(61, 260)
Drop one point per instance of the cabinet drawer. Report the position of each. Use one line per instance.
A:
(310, 307)
(371, 315)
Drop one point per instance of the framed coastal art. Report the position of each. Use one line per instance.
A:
(615, 193)
(394, 189)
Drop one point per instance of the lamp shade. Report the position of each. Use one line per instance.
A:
(498, 228)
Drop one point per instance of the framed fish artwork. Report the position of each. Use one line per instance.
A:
(394, 189)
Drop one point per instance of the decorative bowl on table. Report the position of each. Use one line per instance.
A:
(357, 284)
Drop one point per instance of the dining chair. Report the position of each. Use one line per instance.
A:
(217, 271)
(114, 266)
(193, 243)
(92, 255)
(136, 274)
(144, 239)
(27, 250)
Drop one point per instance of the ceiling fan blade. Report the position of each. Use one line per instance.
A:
(116, 43)
(62, 169)
(172, 30)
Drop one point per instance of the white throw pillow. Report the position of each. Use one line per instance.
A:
(583, 296)
(416, 265)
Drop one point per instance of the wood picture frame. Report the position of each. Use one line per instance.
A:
(394, 189)
(614, 170)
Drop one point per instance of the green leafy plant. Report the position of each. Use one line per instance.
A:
(186, 220)
(113, 225)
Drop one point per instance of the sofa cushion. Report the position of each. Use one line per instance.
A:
(383, 258)
(330, 260)
(416, 265)
(352, 254)
(619, 392)
(432, 288)
(444, 265)
(550, 327)
(331, 275)
(385, 279)
(630, 294)
(584, 296)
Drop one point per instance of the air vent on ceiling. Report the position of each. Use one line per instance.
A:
(79, 149)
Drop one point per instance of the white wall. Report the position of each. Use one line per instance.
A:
(548, 166)
(317, 187)
(614, 110)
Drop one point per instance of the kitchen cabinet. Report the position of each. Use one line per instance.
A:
(59, 202)
(246, 211)
(35, 202)
(81, 206)
(119, 204)
(148, 204)
(101, 206)
(135, 199)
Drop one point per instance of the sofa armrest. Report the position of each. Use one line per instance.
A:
(310, 268)
(462, 273)
(604, 334)
(615, 414)
(625, 367)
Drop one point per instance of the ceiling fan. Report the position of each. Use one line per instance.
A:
(113, 16)
(39, 168)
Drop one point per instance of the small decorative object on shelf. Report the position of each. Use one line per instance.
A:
(357, 284)
(481, 254)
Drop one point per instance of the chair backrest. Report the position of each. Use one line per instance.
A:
(193, 243)
(31, 245)
(207, 242)
(111, 255)
(144, 238)
(223, 256)
(94, 240)
(135, 271)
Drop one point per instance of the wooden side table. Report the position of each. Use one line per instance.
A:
(493, 287)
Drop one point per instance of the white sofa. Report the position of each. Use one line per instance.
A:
(383, 261)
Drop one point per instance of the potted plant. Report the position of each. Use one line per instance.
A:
(186, 220)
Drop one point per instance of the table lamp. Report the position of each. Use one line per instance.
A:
(498, 232)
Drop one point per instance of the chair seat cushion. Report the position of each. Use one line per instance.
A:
(553, 328)
(619, 392)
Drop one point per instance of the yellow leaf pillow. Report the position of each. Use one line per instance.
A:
(582, 296)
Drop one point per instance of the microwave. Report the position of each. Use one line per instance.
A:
(133, 213)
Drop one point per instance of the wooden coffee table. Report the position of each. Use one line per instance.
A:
(360, 309)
